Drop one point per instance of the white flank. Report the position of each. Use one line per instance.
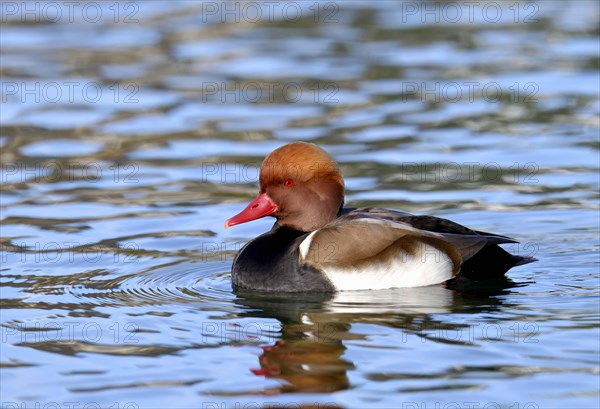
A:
(426, 267)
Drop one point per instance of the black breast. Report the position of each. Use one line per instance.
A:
(270, 262)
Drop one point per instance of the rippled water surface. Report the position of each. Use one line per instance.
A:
(132, 130)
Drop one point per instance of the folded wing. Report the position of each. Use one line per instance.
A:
(384, 249)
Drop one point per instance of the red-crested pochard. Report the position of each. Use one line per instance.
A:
(318, 246)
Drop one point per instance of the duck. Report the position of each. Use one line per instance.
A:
(318, 246)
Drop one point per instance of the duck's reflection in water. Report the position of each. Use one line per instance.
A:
(307, 365)
(316, 328)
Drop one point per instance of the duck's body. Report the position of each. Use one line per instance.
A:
(317, 246)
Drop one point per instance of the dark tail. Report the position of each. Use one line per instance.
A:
(491, 263)
(524, 260)
(484, 272)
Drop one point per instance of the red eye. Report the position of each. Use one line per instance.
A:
(289, 183)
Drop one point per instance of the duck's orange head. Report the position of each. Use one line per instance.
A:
(300, 185)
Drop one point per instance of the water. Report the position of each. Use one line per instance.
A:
(132, 130)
